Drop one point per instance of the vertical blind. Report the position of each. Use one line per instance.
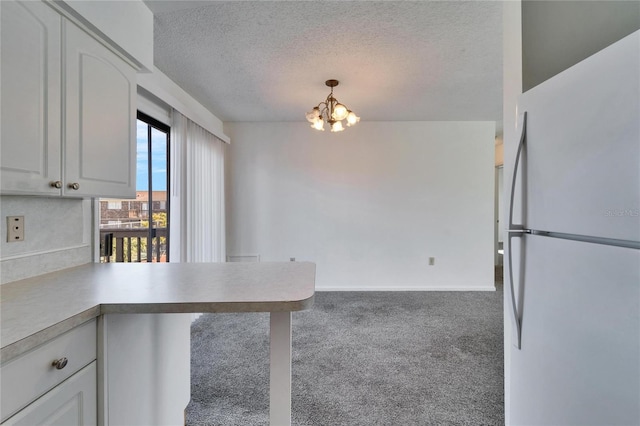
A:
(197, 194)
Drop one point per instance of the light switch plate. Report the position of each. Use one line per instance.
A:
(15, 228)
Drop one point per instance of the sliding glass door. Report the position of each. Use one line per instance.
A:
(138, 230)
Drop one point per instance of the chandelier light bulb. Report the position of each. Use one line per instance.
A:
(313, 115)
(352, 119)
(337, 126)
(318, 124)
(340, 112)
(332, 112)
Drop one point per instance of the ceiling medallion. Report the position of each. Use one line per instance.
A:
(332, 112)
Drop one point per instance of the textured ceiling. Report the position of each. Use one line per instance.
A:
(396, 60)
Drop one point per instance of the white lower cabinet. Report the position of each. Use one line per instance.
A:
(54, 383)
(121, 369)
(73, 402)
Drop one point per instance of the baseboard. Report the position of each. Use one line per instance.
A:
(403, 288)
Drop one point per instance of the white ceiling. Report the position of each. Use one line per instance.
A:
(396, 60)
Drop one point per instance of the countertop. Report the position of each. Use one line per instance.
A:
(38, 309)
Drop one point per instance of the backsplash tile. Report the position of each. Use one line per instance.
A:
(57, 236)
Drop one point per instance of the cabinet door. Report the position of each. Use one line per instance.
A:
(31, 112)
(73, 402)
(99, 148)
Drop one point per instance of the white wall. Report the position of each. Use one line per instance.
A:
(512, 88)
(126, 25)
(57, 235)
(166, 91)
(558, 34)
(369, 205)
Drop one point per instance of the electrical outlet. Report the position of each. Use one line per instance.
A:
(432, 261)
(292, 259)
(15, 228)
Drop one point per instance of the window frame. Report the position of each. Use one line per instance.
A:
(162, 127)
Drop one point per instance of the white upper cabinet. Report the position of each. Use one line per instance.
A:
(68, 111)
(100, 121)
(31, 98)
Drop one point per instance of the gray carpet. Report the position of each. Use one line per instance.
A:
(359, 358)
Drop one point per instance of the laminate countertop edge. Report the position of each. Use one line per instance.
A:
(20, 347)
(206, 307)
(206, 288)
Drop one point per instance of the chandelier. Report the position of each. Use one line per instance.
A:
(332, 112)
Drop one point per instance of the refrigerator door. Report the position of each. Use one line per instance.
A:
(581, 159)
(579, 363)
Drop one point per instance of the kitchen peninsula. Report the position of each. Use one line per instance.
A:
(38, 311)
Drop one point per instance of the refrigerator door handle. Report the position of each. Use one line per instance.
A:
(523, 136)
(516, 315)
(516, 231)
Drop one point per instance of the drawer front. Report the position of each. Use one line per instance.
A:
(31, 375)
(73, 402)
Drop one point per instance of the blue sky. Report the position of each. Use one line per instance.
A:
(158, 159)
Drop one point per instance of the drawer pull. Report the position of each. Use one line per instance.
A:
(61, 363)
(75, 186)
(56, 184)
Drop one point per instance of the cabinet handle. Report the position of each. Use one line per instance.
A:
(75, 186)
(61, 363)
(56, 184)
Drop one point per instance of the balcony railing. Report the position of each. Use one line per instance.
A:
(131, 244)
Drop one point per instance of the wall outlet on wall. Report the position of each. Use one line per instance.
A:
(432, 261)
(15, 228)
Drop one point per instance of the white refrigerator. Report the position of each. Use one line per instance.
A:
(572, 278)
